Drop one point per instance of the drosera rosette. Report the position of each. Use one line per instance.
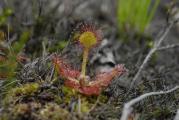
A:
(89, 37)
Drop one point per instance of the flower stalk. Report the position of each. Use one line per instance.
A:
(84, 63)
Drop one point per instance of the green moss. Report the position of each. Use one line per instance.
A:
(69, 93)
(21, 111)
(4, 116)
(24, 90)
(53, 111)
(85, 105)
(23, 102)
(27, 89)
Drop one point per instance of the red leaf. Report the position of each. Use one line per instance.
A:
(104, 79)
(64, 69)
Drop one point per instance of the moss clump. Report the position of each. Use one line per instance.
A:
(26, 111)
(25, 90)
(33, 102)
(36, 111)
(21, 111)
(52, 111)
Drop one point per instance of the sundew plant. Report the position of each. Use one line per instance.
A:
(89, 37)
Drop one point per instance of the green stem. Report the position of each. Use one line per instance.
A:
(85, 58)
